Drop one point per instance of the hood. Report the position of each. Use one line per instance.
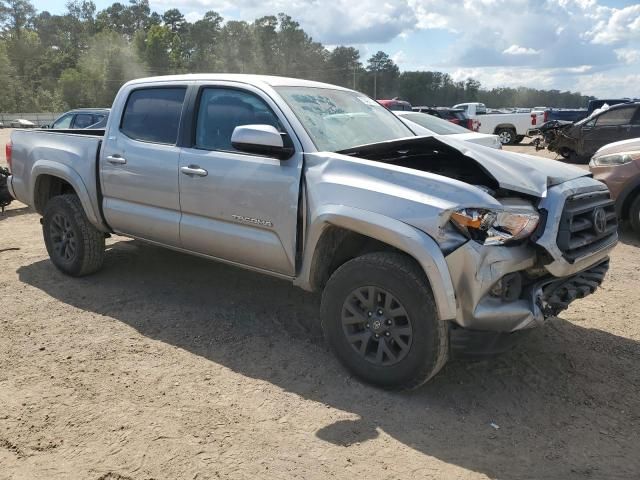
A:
(511, 171)
(554, 125)
(486, 139)
(631, 145)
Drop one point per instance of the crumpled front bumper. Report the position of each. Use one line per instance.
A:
(476, 272)
(510, 288)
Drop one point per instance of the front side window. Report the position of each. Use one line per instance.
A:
(221, 110)
(63, 122)
(619, 116)
(341, 119)
(153, 114)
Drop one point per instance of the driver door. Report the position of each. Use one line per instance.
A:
(237, 206)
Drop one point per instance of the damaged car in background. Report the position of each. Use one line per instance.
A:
(577, 142)
(422, 246)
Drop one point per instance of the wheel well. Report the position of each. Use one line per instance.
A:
(47, 187)
(633, 194)
(504, 125)
(337, 246)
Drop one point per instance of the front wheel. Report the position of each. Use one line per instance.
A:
(74, 245)
(380, 319)
(634, 215)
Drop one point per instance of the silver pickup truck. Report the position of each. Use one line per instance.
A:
(420, 245)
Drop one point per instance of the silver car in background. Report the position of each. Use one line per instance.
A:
(425, 124)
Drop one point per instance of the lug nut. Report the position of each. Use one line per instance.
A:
(388, 322)
(369, 314)
(377, 336)
(367, 325)
(380, 311)
(386, 334)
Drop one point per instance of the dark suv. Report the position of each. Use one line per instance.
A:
(579, 141)
(81, 118)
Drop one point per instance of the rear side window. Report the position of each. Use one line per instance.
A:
(619, 116)
(153, 114)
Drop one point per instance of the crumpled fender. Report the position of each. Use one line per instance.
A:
(393, 232)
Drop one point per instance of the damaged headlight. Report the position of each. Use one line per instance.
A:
(495, 227)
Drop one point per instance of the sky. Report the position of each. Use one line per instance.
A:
(591, 46)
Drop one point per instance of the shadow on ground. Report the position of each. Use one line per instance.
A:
(14, 212)
(566, 402)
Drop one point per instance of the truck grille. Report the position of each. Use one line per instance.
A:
(588, 224)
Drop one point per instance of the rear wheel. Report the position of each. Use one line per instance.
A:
(379, 317)
(74, 245)
(507, 136)
(634, 215)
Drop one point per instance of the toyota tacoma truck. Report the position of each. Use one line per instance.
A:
(420, 245)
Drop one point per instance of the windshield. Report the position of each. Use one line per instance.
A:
(435, 124)
(341, 119)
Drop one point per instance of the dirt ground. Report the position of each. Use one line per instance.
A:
(165, 366)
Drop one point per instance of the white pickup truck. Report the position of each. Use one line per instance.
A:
(510, 127)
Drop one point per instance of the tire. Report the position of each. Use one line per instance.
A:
(74, 245)
(570, 156)
(418, 342)
(566, 153)
(634, 214)
(507, 136)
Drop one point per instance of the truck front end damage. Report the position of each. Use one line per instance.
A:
(521, 237)
(515, 287)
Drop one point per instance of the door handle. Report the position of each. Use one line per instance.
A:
(116, 160)
(194, 171)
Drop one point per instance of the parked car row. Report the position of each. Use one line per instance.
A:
(453, 115)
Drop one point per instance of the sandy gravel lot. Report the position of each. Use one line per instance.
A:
(165, 366)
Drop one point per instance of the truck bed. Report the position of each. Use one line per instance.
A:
(40, 151)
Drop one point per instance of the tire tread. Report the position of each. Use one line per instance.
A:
(93, 240)
(415, 275)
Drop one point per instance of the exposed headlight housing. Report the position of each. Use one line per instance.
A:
(495, 227)
(615, 159)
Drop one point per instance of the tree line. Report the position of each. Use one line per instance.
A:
(81, 58)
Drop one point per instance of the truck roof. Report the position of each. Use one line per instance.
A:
(256, 80)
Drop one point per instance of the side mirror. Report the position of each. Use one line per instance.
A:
(261, 140)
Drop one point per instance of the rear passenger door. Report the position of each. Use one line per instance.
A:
(239, 207)
(139, 165)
